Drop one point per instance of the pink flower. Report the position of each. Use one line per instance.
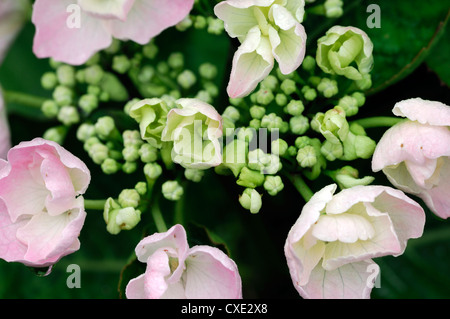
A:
(41, 210)
(415, 154)
(330, 247)
(12, 17)
(5, 142)
(268, 30)
(72, 31)
(175, 271)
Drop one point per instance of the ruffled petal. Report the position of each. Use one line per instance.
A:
(111, 9)
(423, 111)
(73, 45)
(237, 21)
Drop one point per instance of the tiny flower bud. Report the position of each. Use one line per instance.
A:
(88, 103)
(129, 198)
(263, 162)
(232, 113)
(215, 26)
(110, 166)
(235, 155)
(152, 170)
(66, 75)
(98, 152)
(62, 95)
(257, 112)
(194, 175)
(251, 200)
(93, 74)
(200, 22)
(49, 80)
(176, 60)
(68, 115)
(349, 104)
(50, 108)
(255, 124)
(130, 153)
(273, 185)
(309, 63)
(272, 122)
(184, 24)
(117, 218)
(288, 86)
(295, 107)
(246, 134)
(105, 126)
(121, 64)
(270, 83)
(141, 188)
(347, 177)
(85, 131)
(306, 156)
(299, 124)
(132, 138)
(331, 151)
(279, 147)
(309, 93)
(264, 96)
(56, 134)
(333, 8)
(150, 50)
(281, 99)
(208, 71)
(172, 190)
(328, 87)
(360, 98)
(148, 153)
(250, 178)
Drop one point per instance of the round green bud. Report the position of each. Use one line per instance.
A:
(273, 185)
(360, 98)
(349, 104)
(232, 113)
(271, 122)
(146, 74)
(50, 108)
(176, 60)
(299, 124)
(88, 103)
(264, 96)
(257, 112)
(194, 175)
(265, 163)
(53, 63)
(148, 153)
(141, 188)
(251, 200)
(333, 8)
(105, 126)
(63, 95)
(200, 22)
(270, 83)
(302, 141)
(246, 134)
(68, 115)
(255, 124)
(328, 87)
(309, 63)
(99, 153)
(85, 131)
(208, 71)
(172, 190)
(129, 198)
(150, 50)
(279, 147)
(295, 107)
(66, 75)
(309, 93)
(93, 74)
(110, 166)
(332, 151)
(211, 88)
(121, 64)
(288, 86)
(186, 79)
(152, 170)
(132, 138)
(184, 24)
(90, 142)
(204, 96)
(49, 80)
(55, 134)
(215, 26)
(281, 99)
(292, 151)
(130, 153)
(250, 178)
(236, 101)
(306, 156)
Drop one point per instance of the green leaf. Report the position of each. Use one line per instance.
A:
(438, 60)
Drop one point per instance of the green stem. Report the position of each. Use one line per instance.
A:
(378, 121)
(158, 218)
(301, 186)
(179, 208)
(94, 204)
(23, 99)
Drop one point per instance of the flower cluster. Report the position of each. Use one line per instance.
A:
(289, 116)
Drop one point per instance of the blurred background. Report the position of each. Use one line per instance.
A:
(411, 51)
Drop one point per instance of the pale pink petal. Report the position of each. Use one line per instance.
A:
(252, 62)
(148, 18)
(135, 288)
(10, 248)
(210, 274)
(48, 238)
(12, 18)
(423, 111)
(412, 142)
(5, 139)
(351, 281)
(237, 21)
(111, 9)
(67, 43)
(248, 3)
(437, 198)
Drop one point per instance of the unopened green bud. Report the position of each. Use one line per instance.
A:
(93, 74)
(328, 87)
(279, 147)
(215, 26)
(68, 115)
(358, 146)
(246, 134)
(141, 188)
(130, 153)
(309, 93)
(85, 131)
(270, 83)
(333, 8)
(264, 96)
(263, 162)
(172, 190)
(110, 166)
(88, 103)
(148, 153)
(99, 153)
(255, 124)
(272, 122)
(281, 99)
(299, 124)
(56, 134)
(194, 175)
(105, 126)
(49, 80)
(331, 151)
(129, 198)
(62, 95)
(90, 142)
(66, 75)
(292, 151)
(349, 104)
(347, 177)
(152, 170)
(250, 178)
(360, 98)
(208, 71)
(236, 101)
(200, 22)
(273, 185)
(50, 108)
(204, 96)
(232, 113)
(211, 88)
(235, 155)
(184, 24)
(302, 141)
(251, 200)
(121, 64)
(365, 83)
(288, 86)
(176, 60)
(306, 156)
(150, 50)
(132, 138)
(118, 219)
(186, 79)
(309, 63)
(257, 112)
(94, 59)
(295, 107)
